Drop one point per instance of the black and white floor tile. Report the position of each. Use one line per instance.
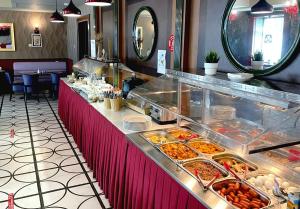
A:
(40, 163)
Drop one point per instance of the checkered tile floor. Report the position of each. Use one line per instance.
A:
(40, 163)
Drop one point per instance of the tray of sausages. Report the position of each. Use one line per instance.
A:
(241, 194)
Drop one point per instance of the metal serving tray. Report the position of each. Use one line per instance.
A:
(146, 136)
(261, 172)
(281, 157)
(237, 158)
(175, 160)
(262, 195)
(207, 141)
(240, 129)
(217, 166)
(169, 131)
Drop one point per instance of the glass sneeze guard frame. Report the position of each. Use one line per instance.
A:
(189, 97)
(268, 104)
(88, 66)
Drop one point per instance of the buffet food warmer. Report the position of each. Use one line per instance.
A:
(109, 69)
(244, 138)
(252, 131)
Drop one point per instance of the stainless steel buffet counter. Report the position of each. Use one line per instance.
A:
(258, 125)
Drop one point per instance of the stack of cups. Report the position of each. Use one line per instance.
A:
(113, 101)
(116, 104)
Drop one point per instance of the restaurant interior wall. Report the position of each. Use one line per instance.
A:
(107, 26)
(163, 12)
(54, 36)
(72, 31)
(211, 13)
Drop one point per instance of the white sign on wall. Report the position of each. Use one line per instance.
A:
(161, 61)
(93, 48)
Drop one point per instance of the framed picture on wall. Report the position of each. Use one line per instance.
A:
(36, 40)
(7, 37)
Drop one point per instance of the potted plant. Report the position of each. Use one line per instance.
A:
(257, 61)
(211, 63)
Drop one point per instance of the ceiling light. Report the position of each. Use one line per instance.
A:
(56, 17)
(100, 3)
(262, 7)
(71, 10)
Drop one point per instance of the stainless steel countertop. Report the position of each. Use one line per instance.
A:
(208, 198)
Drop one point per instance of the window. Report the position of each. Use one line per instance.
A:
(268, 37)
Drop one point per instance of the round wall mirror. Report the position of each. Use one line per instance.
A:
(261, 36)
(145, 33)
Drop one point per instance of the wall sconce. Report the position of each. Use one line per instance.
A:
(36, 38)
(36, 30)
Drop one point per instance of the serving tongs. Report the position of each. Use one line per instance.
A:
(227, 167)
(279, 191)
(206, 187)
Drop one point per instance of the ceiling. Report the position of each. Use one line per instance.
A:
(36, 5)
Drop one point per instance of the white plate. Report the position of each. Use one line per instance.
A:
(239, 77)
(137, 122)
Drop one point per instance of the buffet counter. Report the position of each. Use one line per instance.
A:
(128, 177)
(235, 145)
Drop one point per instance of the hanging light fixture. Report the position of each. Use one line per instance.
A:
(100, 3)
(56, 17)
(262, 7)
(71, 10)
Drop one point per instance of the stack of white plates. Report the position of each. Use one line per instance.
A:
(137, 122)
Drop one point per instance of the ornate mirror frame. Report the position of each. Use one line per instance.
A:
(155, 24)
(285, 61)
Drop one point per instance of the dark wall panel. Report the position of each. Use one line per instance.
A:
(108, 26)
(163, 11)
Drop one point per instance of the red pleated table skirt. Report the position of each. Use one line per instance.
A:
(129, 179)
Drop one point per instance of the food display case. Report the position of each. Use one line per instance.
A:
(252, 131)
(108, 69)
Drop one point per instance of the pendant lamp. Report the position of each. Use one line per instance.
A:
(56, 17)
(262, 7)
(100, 3)
(71, 10)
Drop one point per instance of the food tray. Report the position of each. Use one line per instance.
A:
(237, 129)
(161, 148)
(208, 143)
(215, 165)
(264, 181)
(147, 136)
(179, 133)
(240, 136)
(281, 157)
(217, 187)
(251, 166)
(232, 133)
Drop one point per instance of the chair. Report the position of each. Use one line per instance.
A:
(31, 85)
(13, 87)
(54, 85)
